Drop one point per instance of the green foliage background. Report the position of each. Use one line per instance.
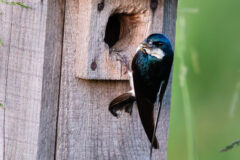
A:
(205, 110)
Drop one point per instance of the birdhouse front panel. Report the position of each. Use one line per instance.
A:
(110, 32)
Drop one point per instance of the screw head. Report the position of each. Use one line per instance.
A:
(101, 5)
(154, 4)
(93, 65)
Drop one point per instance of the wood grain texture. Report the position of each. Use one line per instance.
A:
(5, 37)
(169, 19)
(51, 79)
(21, 72)
(137, 20)
(86, 129)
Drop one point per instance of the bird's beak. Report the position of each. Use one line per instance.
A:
(144, 45)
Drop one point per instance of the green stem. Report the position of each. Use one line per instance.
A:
(185, 91)
(15, 3)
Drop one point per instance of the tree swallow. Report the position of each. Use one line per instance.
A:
(151, 67)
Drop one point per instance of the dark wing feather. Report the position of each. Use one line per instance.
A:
(146, 112)
(124, 101)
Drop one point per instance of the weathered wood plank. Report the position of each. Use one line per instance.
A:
(29, 78)
(86, 129)
(137, 19)
(4, 36)
(51, 79)
(24, 46)
(169, 19)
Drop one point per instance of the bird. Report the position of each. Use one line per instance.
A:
(149, 76)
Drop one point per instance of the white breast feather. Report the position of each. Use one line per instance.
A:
(138, 48)
(156, 52)
(131, 83)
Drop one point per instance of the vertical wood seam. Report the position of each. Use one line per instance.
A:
(60, 80)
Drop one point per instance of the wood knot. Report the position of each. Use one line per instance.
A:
(101, 5)
(153, 5)
(93, 65)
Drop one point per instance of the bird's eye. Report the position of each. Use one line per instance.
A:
(158, 44)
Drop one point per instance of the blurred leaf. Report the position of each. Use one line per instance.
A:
(2, 106)
(1, 43)
(231, 146)
(15, 3)
(235, 100)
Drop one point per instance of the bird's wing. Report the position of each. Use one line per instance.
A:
(124, 101)
(145, 109)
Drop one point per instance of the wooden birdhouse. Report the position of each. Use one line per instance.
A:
(110, 31)
(56, 59)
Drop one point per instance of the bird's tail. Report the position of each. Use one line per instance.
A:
(124, 101)
(145, 109)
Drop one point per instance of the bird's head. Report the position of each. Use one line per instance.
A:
(156, 45)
